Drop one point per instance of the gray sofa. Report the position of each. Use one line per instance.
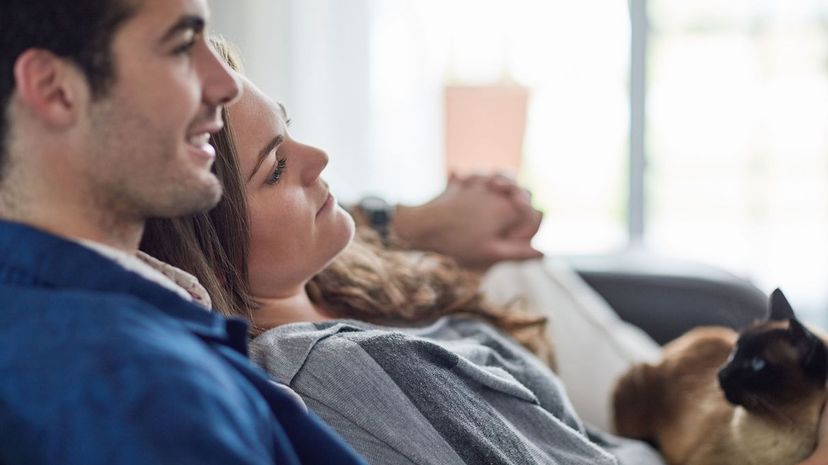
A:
(666, 296)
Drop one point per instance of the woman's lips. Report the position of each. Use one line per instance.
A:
(329, 200)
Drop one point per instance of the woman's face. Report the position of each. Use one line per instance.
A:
(297, 227)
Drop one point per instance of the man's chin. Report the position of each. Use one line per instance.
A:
(211, 195)
(193, 200)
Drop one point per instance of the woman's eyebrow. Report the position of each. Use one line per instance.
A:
(272, 144)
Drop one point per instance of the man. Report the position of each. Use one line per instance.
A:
(106, 109)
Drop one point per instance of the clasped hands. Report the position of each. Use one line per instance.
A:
(478, 220)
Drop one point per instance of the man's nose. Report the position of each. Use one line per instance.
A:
(221, 85)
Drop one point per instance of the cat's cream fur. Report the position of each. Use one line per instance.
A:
(678, 404)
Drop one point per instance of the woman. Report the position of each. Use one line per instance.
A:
(486, 400)
(456, 391)
(367, 281)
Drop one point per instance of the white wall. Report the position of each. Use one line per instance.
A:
(315, 56)
(257, 28)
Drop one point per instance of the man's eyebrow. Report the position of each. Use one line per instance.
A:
(193, 23)
(272, 144)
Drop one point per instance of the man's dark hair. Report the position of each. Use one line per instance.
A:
(78, 30)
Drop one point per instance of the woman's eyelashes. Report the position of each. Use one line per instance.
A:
(274, 177)
(281, 162)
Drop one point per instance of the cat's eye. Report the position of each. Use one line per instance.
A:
(757, 363)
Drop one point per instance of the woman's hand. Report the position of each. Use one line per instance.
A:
(820, 455)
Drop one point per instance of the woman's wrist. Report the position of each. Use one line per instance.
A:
(411, 225)
(819, 457)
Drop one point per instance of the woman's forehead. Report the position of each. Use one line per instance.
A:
(256, 119)
(254, 102)
(255, 109)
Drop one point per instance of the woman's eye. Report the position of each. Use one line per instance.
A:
(757, 363)
(277, 173)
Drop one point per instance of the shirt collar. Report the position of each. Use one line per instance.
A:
(60, 263)
(174, 279)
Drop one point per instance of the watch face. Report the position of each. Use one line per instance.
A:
(378, 212)
(373, 203)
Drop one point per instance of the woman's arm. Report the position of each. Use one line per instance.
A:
(477, 220)
(820, 455)
(817, 458)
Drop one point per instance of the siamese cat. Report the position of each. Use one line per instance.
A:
(720, 398)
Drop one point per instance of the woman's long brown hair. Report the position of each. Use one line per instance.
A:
(213, 246)
(367, 281)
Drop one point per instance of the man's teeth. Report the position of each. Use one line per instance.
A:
(200, 139)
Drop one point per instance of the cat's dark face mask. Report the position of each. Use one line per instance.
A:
(771, 368)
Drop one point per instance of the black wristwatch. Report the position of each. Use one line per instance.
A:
(379, 214)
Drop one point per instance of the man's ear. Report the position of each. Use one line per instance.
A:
(50, 87)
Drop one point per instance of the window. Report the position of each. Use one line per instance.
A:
(575, 65)
(724, 103)
(737, 140)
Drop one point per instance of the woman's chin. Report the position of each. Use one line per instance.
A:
(337, 239)
(346, 237)
(348, 227)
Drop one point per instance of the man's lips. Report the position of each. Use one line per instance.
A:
(200, 135)
(199, 140)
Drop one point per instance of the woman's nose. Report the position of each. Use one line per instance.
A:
(316, 161)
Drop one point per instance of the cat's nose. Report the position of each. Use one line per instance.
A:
(729, 387)
(722, 375)
(724, 378)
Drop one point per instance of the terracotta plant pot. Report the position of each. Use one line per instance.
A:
(484, 127)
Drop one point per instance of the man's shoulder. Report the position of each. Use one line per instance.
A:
(108, 375)
(78, 309)
(102, 356)
(88, 334)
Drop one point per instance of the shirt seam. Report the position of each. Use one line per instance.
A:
(350, 421)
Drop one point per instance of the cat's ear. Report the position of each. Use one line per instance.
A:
(780, 308)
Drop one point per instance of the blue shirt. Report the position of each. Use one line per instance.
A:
(100, 366)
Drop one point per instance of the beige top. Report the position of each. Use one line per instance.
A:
(165, 275)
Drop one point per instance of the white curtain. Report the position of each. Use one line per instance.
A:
(328, 62)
